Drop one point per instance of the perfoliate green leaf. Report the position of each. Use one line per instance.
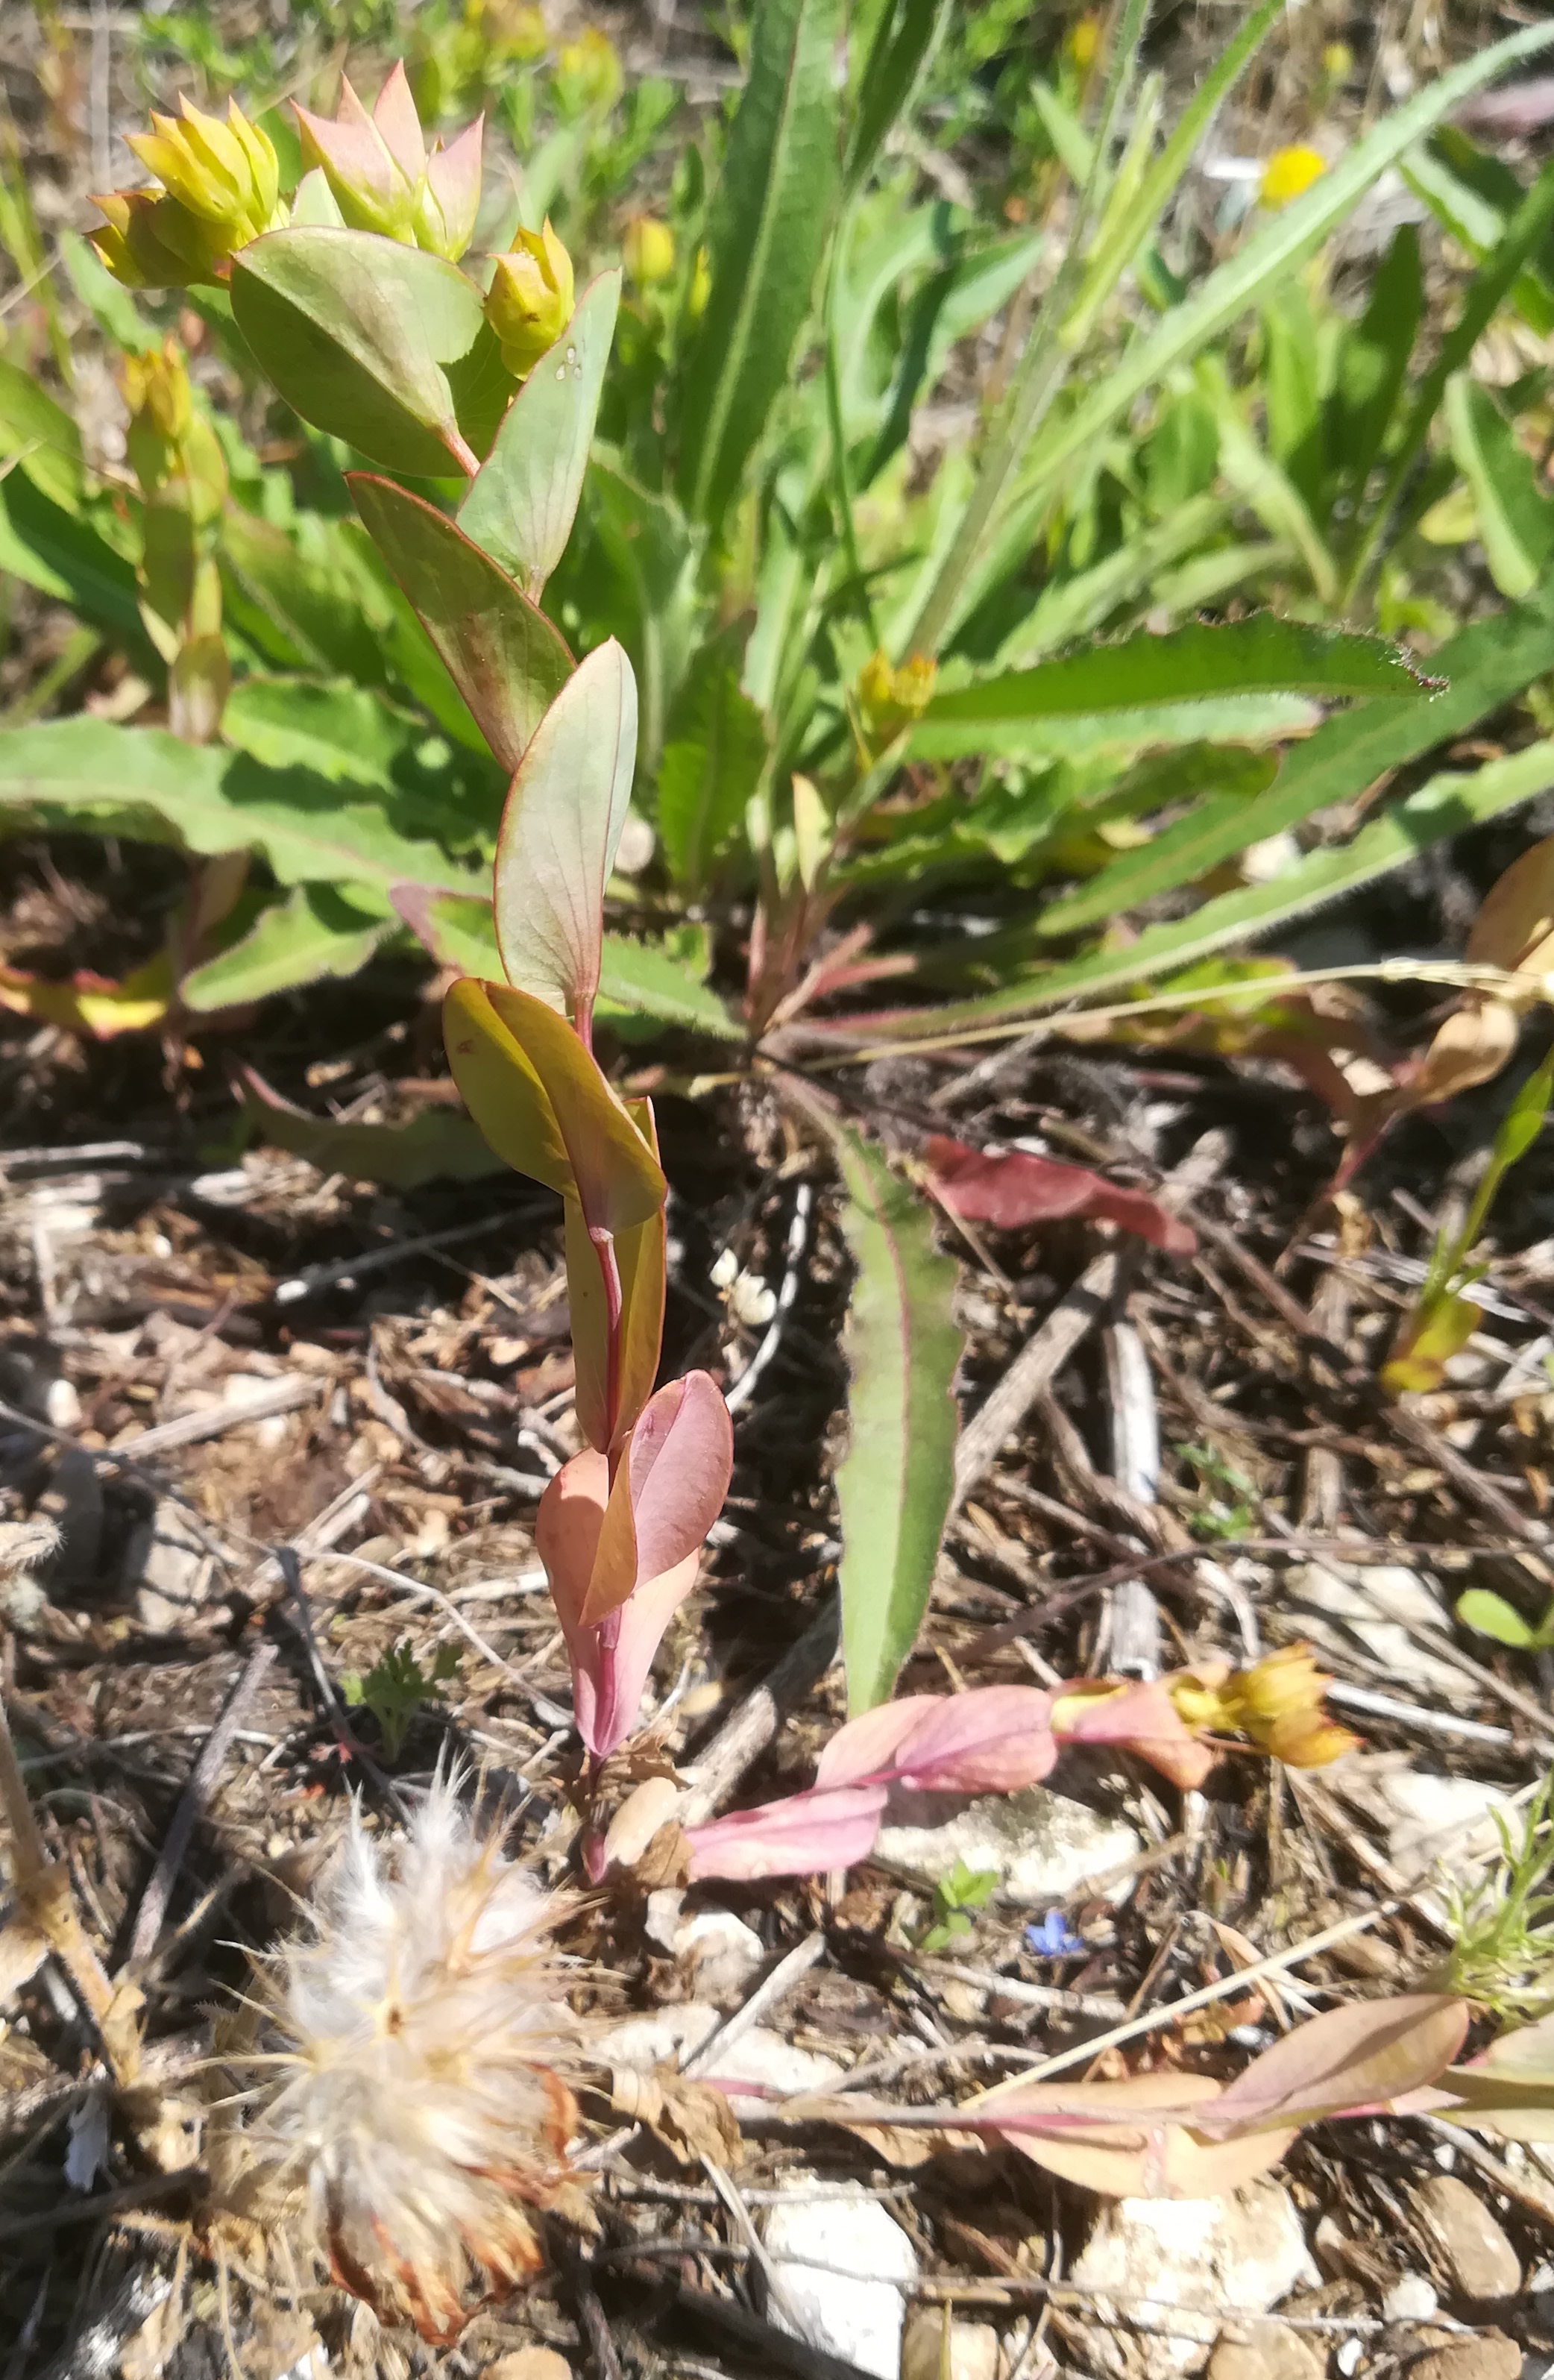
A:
(543, 1105)
(560, 830)
(767, 237)
(522, 503)
(507, 660)
(384, 347)
(893, 1485)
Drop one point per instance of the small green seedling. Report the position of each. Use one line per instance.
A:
(1493, 1616)
(395, 1689)
(965, 1887)
(1216, 1515)
(1502, 1954)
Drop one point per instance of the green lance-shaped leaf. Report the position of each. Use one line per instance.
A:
(341, 731)
(1261, 656)
(317, 931)
(92, 776)
(1272, 251)
(433, 1146)
(524, 499)
(559, 833)
(1515, 516)
(768, 233)
(1446, 805)
(384, 347)
(543, 1103)
(1485, 665)
(507, 660)
(893, 1484)
(712, 762)
(908, 34)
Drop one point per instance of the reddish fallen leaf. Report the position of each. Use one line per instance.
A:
(1012, 1189)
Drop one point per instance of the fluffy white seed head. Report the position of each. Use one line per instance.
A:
(419, 2112)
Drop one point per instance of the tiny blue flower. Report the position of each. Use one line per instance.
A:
(1052, 1939)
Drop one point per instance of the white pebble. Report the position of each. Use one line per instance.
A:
(1410, 2298)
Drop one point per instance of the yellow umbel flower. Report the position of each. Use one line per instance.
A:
(1289, 171)
(220, 189)
(648, 250)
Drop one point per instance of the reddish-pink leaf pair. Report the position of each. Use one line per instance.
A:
(623, 1555)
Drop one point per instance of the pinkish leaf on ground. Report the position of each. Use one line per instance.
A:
(1014, 1189)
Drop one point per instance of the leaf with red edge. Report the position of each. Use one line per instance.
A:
(1012, 1189)
(669, 1487)
(807, 1834)
(1359, 2060)
(1136, 2138)
(640, 1256)
(560, 829)
(993, 1739)
(545, 1106)
(1141, 1719)
(502, 653)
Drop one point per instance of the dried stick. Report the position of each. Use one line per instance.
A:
(191, 1800)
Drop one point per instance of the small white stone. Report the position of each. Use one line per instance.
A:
(838, 2261)
(660, 1915)
(643, 2041)
(772, 2067)
(1410, 2298)
(61, 1406)
(1041, 1845)
(1189, 2265)
(1347, 2358)
(752, 1302)
(726, 1269)
(721, 1952)
(1432, 1817)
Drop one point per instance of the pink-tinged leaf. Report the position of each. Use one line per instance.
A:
(544, 1104)
(1141, 1719)
(681, 1453)
(992, 1739)
(351, 151)
(394, 112)
(559, 834)
(1015, 1189)
(1349, 2061)
(609, 1659)
(807, 1834)
(867, 1746)
(454, 178)
(1137, 2138)
(670, 1482)
(611, 1662)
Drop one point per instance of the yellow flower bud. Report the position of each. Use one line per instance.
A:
(648, 250)
(889, 697)
(1082, 41)
(588, 70)
(529, 302)
(1287, 173)
(700, 288)
(1338, 62)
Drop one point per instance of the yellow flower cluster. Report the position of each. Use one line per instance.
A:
(220, 189)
